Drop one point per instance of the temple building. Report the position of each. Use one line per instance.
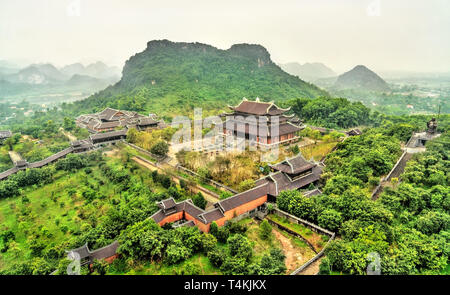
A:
(108, 136)
(292, 173)
(5, 134)
(86, 256)
(263, 122)
(109, 119)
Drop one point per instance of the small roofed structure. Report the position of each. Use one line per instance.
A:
(86, 256)
(110, 119)
(79, 146)
(294, 165)
(4, 134)
(311, 193)
(108, 136)
(354, 132)
(21, 164)
(292, 173)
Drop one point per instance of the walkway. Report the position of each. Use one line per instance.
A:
(207, 194)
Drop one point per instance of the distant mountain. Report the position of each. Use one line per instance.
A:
(88, 82)
(100, 70)
(37, 74)
(97, 70)
(73, 69)
(308, 71)
(361, 78)
(36, 81)
(174, 77)
(7, 68)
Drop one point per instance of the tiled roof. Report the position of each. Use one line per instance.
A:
(83, 251)
(258, 108)
(107, 114)
(5, 134)
(8, 172)
(279, 181)
(167, 204)
(212, 215)
(314, 192)
(294, 165)
(101, 253)
(146, 121)
(104, 125)
(106, 251)
(283, 182)
(242, 198)
(122, 132)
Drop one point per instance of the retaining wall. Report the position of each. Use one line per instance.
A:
(312, 226)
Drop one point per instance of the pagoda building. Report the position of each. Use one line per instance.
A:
(292, 173)
(263, 122)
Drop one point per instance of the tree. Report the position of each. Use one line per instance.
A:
(265, 230)
(214, 229)
(176, 253)
(209, 242)
(330, 219)
(160, 148)
(199, 200)
(240, 246)
(246, 185)
(324, 267)
(217, 257)
(100, 267)
(132, 135)
(234, 266)
(68, 124)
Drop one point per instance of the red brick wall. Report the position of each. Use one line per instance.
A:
(241, 210)
(244, 208)
(171, 218)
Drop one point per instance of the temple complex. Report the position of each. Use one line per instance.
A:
(292, 173)
(109, 119)
(263, 122)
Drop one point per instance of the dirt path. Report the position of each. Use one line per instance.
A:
(292, 256)
(209, 197)
(68, 134)
(312, 269)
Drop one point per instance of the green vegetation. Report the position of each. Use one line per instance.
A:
(407, 226)
(50, 216)
(180, 76)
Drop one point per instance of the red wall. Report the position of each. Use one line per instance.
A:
(244, 208)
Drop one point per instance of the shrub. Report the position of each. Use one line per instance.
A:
(217, 257)
(265, 230)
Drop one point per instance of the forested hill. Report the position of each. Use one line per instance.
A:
(171, 77)
(362, 78)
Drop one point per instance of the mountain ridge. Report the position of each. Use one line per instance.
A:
(361, 78)
(309, 71)
(181, 76)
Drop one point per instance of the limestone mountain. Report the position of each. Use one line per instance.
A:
(308, 71)
(361, 78)
(174, 77)
(97, 70)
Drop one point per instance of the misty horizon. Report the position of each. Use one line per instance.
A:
(385, 36)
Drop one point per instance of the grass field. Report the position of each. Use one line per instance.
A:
(318, 150)
(55, 212)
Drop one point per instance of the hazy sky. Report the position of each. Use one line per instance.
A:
(411, 35)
